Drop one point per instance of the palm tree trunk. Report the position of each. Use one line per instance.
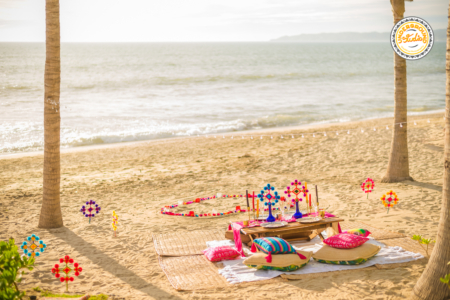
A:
(398, 167)
(51, 216)
(429, 286)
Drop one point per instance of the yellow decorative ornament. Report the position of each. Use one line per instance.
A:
(389, 199)
(115, 221)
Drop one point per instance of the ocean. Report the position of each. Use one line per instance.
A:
(121, 92)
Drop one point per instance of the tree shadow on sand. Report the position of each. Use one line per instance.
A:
(424, 185)
(109, 264)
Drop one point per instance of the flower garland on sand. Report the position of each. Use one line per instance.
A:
(166, 209)
(389, 200)
(367, 186)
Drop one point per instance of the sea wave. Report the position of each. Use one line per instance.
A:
(25, 137)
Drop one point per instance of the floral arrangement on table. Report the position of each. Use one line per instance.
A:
(66, 269)
(297, 190)
(269, 199)
(166, 210)
(368, 186)
(389, 199)
(90, 211)
(33, 249)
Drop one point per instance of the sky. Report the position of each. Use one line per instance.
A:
(205, 20)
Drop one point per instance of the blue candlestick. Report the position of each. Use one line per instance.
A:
(298, 214)
(270, 218)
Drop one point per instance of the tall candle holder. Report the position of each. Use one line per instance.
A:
(266, 194)
(296, 191)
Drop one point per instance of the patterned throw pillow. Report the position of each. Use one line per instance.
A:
(272, 245)
(221, 253)
(345, 241)
(359, 231)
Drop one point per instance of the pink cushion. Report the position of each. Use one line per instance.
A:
(220, 253)
(345, 241)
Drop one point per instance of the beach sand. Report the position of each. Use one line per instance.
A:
(137, 179)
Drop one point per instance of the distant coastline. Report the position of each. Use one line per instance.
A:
(346, 37)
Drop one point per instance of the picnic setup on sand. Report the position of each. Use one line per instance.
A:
(287, 236)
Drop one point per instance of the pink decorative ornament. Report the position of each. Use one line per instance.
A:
(297, 190)
(368, 186)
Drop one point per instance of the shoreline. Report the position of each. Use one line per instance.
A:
(278, 130)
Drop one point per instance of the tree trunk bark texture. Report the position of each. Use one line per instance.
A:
(51, 216)
(429, 286)
(398, 166)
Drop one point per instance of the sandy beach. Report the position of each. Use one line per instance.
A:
(137, 179)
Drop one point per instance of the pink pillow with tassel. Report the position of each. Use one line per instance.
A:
(345, 241)
(221, 253)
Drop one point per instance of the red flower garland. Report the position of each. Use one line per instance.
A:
(166, 209)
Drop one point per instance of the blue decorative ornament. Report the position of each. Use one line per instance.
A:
(270, 200)
(34, 249)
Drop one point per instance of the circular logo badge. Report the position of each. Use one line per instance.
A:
(412, 38)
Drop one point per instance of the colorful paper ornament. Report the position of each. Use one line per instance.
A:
(115, 221)
(90, 211)
(367, 186)
(272, 199)
(297, 190)
(34, 249)
(66, 270)
(389, 199)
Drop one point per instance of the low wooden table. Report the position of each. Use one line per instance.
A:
(292, 229)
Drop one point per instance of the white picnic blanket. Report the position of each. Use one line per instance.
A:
(236, 272)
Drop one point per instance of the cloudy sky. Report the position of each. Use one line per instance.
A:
(205, 20)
